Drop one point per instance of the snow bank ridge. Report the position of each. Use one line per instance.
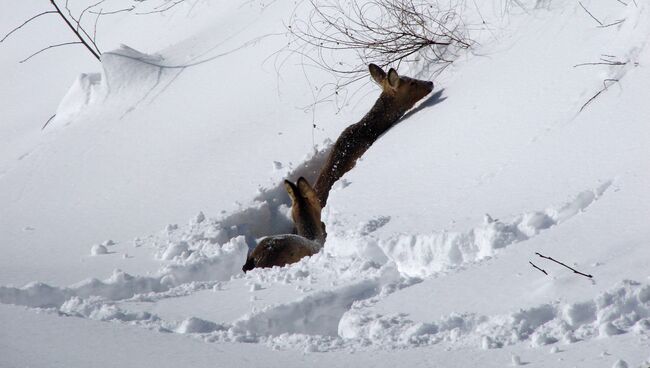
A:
(420, 255)
(316, 314)
(128, 78)
(225, 262)
(625, 308)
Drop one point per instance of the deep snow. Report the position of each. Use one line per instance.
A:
(429, 236)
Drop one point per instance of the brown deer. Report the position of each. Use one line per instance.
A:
(398, 95)
(280, 250)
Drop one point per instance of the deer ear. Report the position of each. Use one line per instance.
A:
(377, 73)
(291, 189)
(393, 78)
(307, 192)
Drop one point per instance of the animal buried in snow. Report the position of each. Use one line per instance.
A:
(398, 95)
(280, 250)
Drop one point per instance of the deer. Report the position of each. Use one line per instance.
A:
(281, 250)
(398, 95)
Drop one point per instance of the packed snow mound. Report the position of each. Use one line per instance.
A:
(99, 309)
(98, 249)
(316, 314)
(196, 325)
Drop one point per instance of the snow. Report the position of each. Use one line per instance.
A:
(620, 364)
(98, 249)
(420, 255)
(126, 221)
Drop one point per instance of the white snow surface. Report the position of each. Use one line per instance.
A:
(175, 146)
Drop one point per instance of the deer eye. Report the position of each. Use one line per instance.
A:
(412, 83)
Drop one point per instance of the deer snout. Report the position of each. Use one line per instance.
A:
(430, 86)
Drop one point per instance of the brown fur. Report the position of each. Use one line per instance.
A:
(398, 95)
(280, 250)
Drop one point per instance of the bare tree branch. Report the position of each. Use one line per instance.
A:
(79, 28)
(101, 11)
(83, 41)
(25, 23)
(161, 9)
(47, 48)
(383, 32)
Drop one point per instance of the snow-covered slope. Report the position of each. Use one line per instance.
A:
(430, 236)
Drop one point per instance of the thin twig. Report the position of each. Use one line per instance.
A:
(95, 26)
(612, 24)
(384, 32)
(604, 62)
(79, 28)
(560, 263)
(102, 12)
(192, 63)
(174, 3)
(591, 15)
(25, 23)
(532, 264)
(605, 86)
(48, 121)
(47, 48)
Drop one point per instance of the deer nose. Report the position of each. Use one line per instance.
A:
(430, 85)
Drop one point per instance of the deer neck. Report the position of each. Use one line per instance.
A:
(312, 230)
(383, 114)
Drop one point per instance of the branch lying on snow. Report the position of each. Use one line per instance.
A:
(560, 263)
(612, 24)
(605, 87)
(601, 24)
(48, 121)
(541, 270)
(604, 60)
(591, 15)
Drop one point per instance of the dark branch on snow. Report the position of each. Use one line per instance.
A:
(562, 264)
(605, 87)
(532, 264)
